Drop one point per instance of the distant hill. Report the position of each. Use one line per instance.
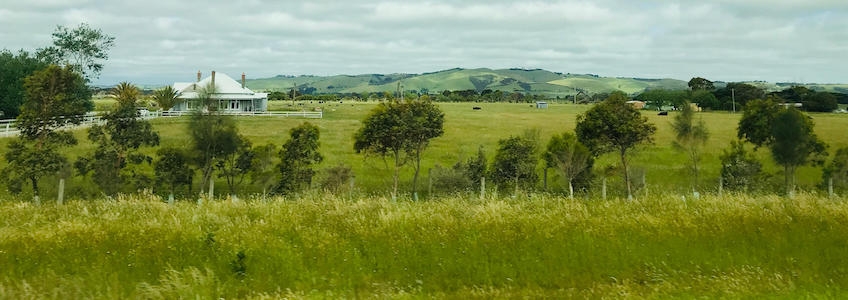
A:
(532, 81)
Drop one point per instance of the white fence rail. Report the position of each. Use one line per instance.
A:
(8, 127)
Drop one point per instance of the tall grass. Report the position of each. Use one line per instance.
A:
(324, 246)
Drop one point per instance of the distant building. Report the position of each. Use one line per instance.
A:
(231, 96)
(541, 104)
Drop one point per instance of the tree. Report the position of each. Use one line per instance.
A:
(172, 169)
(15, 68)
(614, 126)
(424, 122)
(738, 95)
(757, 120)
(701, 84)
(263, 169)
(118, 142)
(83, 49)
(705, 99)
(166, 97)
(820, 102)
(739, 168)
(213, 135)
(837, 169)
(659, 98)
(400, 130)
(795, 144)
(297, 156)
(236, 165)
(690, 137)
(569, 157)
(475, 167)
(515, 163)
(54, 98)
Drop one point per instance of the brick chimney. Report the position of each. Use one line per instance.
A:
(242, 80)
(213, 78)
(198, 75)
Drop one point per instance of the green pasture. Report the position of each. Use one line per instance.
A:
(467, 129)
(321, 246)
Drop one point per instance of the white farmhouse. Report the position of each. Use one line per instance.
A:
(232, 96)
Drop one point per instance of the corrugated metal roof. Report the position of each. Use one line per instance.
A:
(225, 88)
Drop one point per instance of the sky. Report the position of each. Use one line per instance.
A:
(163, 41)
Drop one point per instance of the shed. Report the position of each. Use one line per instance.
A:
(541, 105)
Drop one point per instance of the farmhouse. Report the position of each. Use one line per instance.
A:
(232, 96)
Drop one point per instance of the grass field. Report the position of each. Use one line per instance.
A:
(320, 246)
(467, 129)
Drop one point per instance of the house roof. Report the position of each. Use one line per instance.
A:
(225, 87)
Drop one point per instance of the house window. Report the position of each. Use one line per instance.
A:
(189, 105)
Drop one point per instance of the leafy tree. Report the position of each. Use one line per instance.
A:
(172, 169)
(659, 98)
(515, 163)
(757, 120)
(701, 84)
(166, 97)
(690, 137)
(400, 130)
(213, 135)
(795, 144)
(83, 49)
(236, 165)
(740, 170)
(614, 126)
(297, 156)
(424, 122)
(55, 97)
(475, 167)
(118, 142)
(741, 92)
(569, 157)
(837, 169)
(820, 102)
(263, 169)
(15, 68)
(705, 99)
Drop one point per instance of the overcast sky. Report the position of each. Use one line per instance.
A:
(162, 41)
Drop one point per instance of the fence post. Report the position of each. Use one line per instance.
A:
(430, 182)
(61, 198)
(604, 189)
(482, 188)
(830, 187)
(720, 186)
(211, 189)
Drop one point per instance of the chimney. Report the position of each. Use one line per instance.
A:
(213, 78)
(242, 80)
(198, 75)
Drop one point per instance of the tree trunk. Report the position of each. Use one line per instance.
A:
(790, 181)
(570, 189)
(34, 182)
(626, 174)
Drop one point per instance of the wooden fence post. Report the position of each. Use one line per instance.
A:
(604, 189)
(482, 187)
(61, 198)
(430, 183)
(830, 187)
(211, 189)
(720, 186)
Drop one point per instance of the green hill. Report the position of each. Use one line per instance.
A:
(534, 81)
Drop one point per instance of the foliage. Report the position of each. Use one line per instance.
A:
(757, 121)
(401, 130)
(704, 99)
(213, 136)
(794, 143)
(15, 68)
(569, 157)
(820, 102)
(117, 144)
(235, 166)
(690, 137)
(475, 167)
(450, 180)
(657, 99)
(837, 170)
(55, 97)
(336, 178)
(737, 95)
(700, 84)
(264, 171)
(172, 169)
(514, 164)
(166, 97)
(740, 170)
(297, 157)
(82, 49)
(614, 126)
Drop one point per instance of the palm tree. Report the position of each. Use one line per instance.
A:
(126, 94)
(166, 97)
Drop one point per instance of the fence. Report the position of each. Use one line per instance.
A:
(8, 127)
